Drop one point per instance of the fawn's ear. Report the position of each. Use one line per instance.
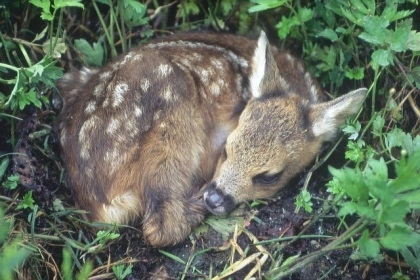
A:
(327, 117)
(265, 77)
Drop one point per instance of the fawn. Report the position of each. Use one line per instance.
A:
(188, 124)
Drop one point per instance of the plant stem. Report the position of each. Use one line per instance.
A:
(105, 28)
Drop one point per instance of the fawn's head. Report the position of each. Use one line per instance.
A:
(279, 133)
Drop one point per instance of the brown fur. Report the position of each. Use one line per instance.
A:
(142, 137)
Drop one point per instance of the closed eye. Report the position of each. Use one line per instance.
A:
(266, 178)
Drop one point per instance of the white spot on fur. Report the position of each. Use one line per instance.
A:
(238, 60)
(258, 65)
(105, 76)
(284, 84)
(119, 92)
(144, 84)
(86, 74)
(205, 74)
(138, 57)
(215, 89)
(197, 56)
(167, 93)
(300, 67)
(217, 64)
(63, 136)
(164, 70)
(89, 172)
(127, 58)
(156, 116)
(113, 125)
(137, 111)
(113, 156)
(90, 107)
(85, 136)
(99, 89)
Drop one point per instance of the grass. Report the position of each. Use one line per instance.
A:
(371, 202)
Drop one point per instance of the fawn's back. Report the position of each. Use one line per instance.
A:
(194, 115)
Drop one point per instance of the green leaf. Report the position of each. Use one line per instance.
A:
(376, 178)
(390, 12)
(394, 138)
(3, 166)
(59, 48)
(27, 202)
(91, 55)
(354, 152)
(40, 35)
(121, 271)
(413, 42)
(50, 75)
(334, 187)
(32, 97)
(352, 182)
(5, 226)
(408, 171)
(67, 3)
(188, 7)
(304, 200)
(352, 129)
(173, 257)
(366, 7)
(45, 5)
(375, 30)
(394, 214)
(413, 258)
(12, 182)
(382, 57)
(305, 14)
(263, 5)
(134, 13)
(227, 6)
(354, 16)
(375, 25)
(361, 208)
(285, 26)
(355, 73)
(399, 238)
(399, 38)
(378, 125)
(329, 34)
(11, 256)
(369, 246)
(398, 138)
(105, 235)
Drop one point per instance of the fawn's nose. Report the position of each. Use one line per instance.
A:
(216, 201)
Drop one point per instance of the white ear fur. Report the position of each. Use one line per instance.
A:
(327, 117)
(258, 65)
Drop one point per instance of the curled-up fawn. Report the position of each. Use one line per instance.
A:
(191, 123)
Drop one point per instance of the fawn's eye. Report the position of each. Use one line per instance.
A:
(266, 178)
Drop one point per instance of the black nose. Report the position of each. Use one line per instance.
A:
(214, 198)
(217, 201)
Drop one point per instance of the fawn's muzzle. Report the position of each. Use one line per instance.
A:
(216, 201)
